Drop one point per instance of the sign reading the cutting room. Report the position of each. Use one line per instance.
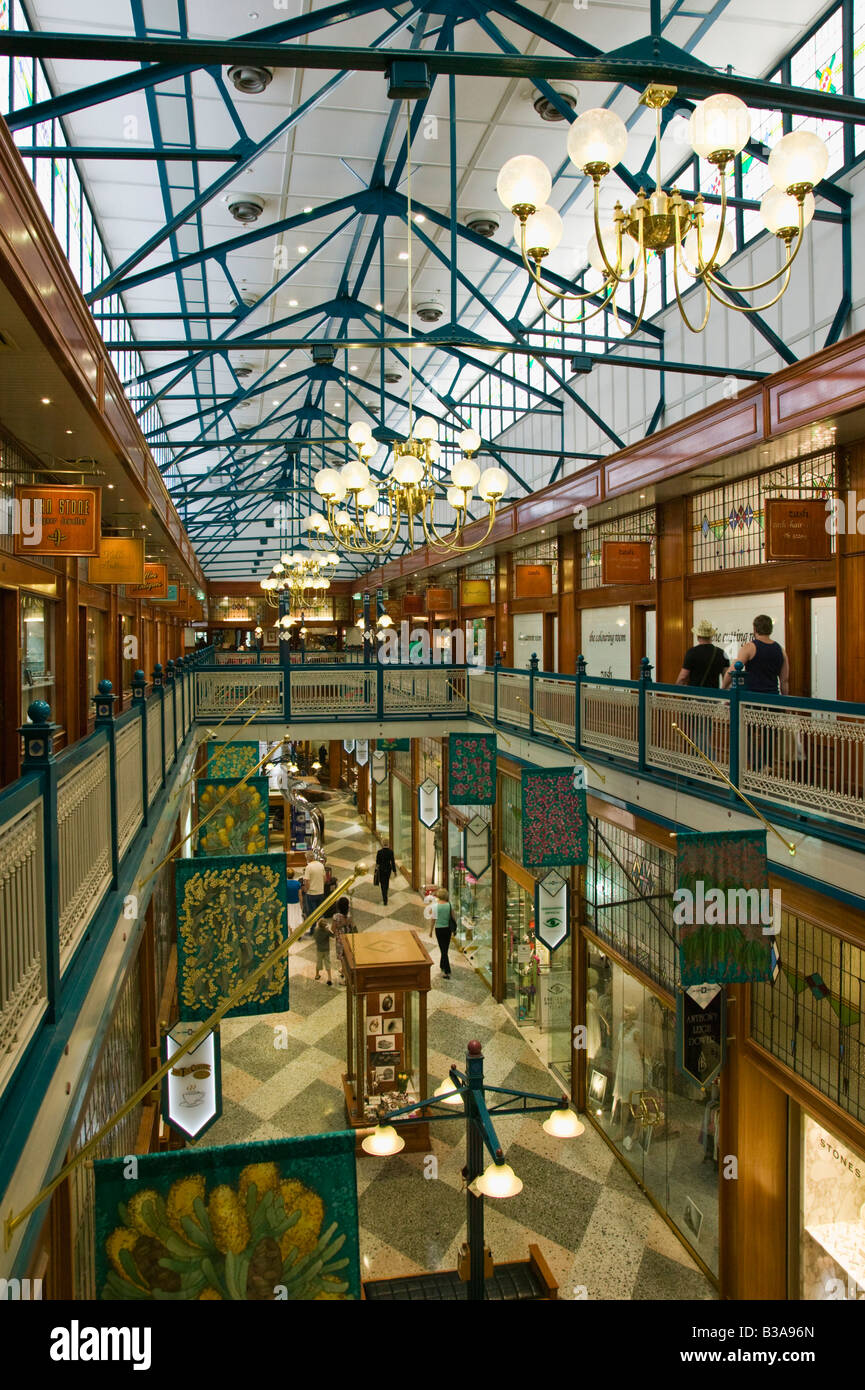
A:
(796, 529)
(120, 561)
(57, 520)
(625, 562)
(154, 585)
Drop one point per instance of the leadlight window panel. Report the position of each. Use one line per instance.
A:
(810, 1017)
(544, 553)
(629, 887)
(639, 526)
(481, 569)
(859, 65)
(727, 523)
(819, 64)
(400, 762)
(431, 759)
(511, 817)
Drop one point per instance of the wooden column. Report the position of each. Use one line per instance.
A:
(568, 616)
(504, 626)
(850, 569)
(672, 610)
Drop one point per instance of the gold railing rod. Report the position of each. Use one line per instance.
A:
(14, 1220)
(788, 844)
(477, 713)
(570, 747)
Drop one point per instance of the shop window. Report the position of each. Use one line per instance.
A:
(510, 806)
(639, 526)
(37, 651)
(403, 814)
(537, 982)
(665, 1127)
(96, 669)
(629, 886)
(810, 1018)
(830, 1245)
(727, 522)
(471, 900)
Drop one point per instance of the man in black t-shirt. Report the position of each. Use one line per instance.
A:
(705, 664)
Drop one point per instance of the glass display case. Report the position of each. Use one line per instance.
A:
(828, 1249)
(388, 979)
(37, 651)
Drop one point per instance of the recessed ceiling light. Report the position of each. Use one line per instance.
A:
(378, 308)
(46, 400)
(307, 209)
(70, 431)
(275, 400)
(302, 250)
(403, 255)
(110, 487)
(419, 218)
(292, 304)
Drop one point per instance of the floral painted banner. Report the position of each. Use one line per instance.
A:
(231, 915)
(268, 1222)
(554, 818)
(393, 745)
(231, 759)
(240, 824)
(472, 769)
(723, 907)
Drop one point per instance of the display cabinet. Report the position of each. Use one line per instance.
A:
(388, 980)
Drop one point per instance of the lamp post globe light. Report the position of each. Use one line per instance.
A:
(466, 1092)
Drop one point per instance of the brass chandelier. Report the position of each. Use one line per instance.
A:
(305, 579)
(366, 517)
(700, 244)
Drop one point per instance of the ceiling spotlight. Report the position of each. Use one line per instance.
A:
(292, 304)
(307, 209)
(429, 311)
(247, 77)
(302, 250)
(46, 400)
(547, 110)
(246, 301)
(483, 223)
(403, 255)
(378, 308)
(244, 207)
(419, 218)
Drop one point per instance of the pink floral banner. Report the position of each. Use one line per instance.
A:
(472, 769)
(554, 817)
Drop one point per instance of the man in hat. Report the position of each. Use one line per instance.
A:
(705, 664)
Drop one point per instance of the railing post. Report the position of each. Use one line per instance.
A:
(139, 702)
(533, 671)
(645, 680)
(379, 690)
(737, 682)
(180, 687)
(497, 661)
(39, 758)
(172, 705)
(578, 700)
(159, 691)
(103, 702)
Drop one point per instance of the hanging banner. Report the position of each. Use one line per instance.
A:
(554, 819)
(797, 528)
(227, 760)
(348, 745)
(240, 826)
(626, 562)
(393, 745)
(552, 910)
(200, 1224)
(701, 1032)
(474, 592)
(379, 767)
(361, 751)
(723, 907)
(412, 605)
(192, 1091)
(231, 915)
(471, 769)
(428, 803)
(154, 584)
(55, 520)
(477, 846)
(120, 561)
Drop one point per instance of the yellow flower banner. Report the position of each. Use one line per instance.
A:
(231, 914)
(269, 1222)
(231, 759)
(240, 825)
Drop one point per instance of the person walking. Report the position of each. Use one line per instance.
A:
(340, 924)
(294, 914)
(704, 664)
(313, 884)
(444, 928)
(323, 936)
(385, 865)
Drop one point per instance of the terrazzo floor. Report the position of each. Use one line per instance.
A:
(596, 1230)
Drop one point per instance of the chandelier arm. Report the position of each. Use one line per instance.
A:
(580, 318)
(746, 308)
(631, 331)
(431, 532)
(615, 274)
(784, 269)
(548, 289)
(464, 549)
(681, 305)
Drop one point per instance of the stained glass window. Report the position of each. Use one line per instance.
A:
(767, 127)
(819, 64)
(639, 526)
(859, 64)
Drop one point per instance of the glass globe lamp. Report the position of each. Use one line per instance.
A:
(458, 497)
(708, 238)
(342, 517)
(469, 441)
(544, 231)
(359, 432)
(780, 213)
(492, 484)
(425, 428)
(524, 183)
(367, 497)
(326, 482)
(465, 473)
(597, 141)
(355, 475)
(497, 1180)
(798, 161)
(408, 470)
(719, 128)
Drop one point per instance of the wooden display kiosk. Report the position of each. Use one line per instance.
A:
(388, 978)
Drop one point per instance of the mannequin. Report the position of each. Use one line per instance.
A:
(629, 1060)
(593, 1024)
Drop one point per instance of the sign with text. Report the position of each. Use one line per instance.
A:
(379, 767)
(361, 751)
(439, 600)
(412, 605)
(474, 591)
(192, 1090)
(154, 585)
(63, 520)
(120, 561)
(477, 846)
(796, 529)
(626, 562)
(428, 803)
(533, 581)
(701, 1031)
(606, 641)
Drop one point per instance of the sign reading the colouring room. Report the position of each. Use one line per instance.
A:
(154, 585)
(796, 529)
(62, 520)
(120, 561)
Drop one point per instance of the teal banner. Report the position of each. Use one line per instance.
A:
(393, 745)
(723, 907)
(268, 1223)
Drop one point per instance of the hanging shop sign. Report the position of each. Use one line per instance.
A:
(172, 594)
(474, 591)
(626, 562)
(412, 605)
(57, 520)
(348, 745)
(439, 600)
(379, 767)
(797, 529)
(428, 803)
(154, 585)
(554, 819)
(723, 907)
(552, 910)
(477, 846)
(361, 751)
(120, 561)
(192, 1091)
(701, 1031)
(533, 581)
